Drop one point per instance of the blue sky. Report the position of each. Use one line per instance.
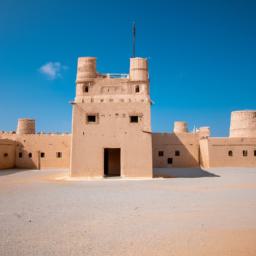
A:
(202, 57)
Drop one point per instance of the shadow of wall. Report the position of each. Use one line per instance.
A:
(27, 159)
(182, 149)
(7, 153)
(182, 173)
(176, 150)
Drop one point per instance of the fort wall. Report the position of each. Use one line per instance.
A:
(229, 152)
(172, 150)
(40, 151)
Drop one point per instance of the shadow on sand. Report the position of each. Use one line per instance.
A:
(5, 172)
(157, 172)
(182, 173)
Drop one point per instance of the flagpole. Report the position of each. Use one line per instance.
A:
(133, 39)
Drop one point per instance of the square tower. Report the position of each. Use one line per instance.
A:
(111, 122)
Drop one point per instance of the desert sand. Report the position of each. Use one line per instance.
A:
(205, 213)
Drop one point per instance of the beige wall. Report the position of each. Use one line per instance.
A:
(186, 143)
(112, 130)
(213, 151)
(35, 144)
(218, 148)
(7, 154)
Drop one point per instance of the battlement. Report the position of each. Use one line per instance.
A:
(114, 75)
(91, 83)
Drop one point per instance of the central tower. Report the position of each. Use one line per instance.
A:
(111, 126)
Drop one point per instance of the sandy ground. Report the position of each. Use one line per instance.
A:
(43, 214)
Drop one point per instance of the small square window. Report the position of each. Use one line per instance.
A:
(169, 160)
(177, 153)
(30, 155)
(160, 153)
(86, 88)
(42, 154)
(59, 154)
(91, 119)
(245, 153)
(20, 154)
(5, 154)
(230, 153)
(134, 119)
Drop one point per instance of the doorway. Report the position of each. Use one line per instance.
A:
(112, 162)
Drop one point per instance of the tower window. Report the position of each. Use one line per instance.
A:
(5, 154)
(86, 88)
(134, 119)
(20, 154)
(177, 153)
(137, 89)
(160, 153)
(30, 155)
(91, 118)
(59, 154)
(169, 160)
(254, 152)
(42, 155)
(245, 153)
(230, 153)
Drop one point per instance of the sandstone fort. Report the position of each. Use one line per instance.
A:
(111, 133)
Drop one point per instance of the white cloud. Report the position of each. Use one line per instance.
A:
(52, 70)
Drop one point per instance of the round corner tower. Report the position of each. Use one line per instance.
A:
(180, 127)
(138, 69)
(243, 124)
(86, 72)
(26, 126)
(86, 69)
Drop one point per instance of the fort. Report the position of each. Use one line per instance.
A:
(111, 133)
